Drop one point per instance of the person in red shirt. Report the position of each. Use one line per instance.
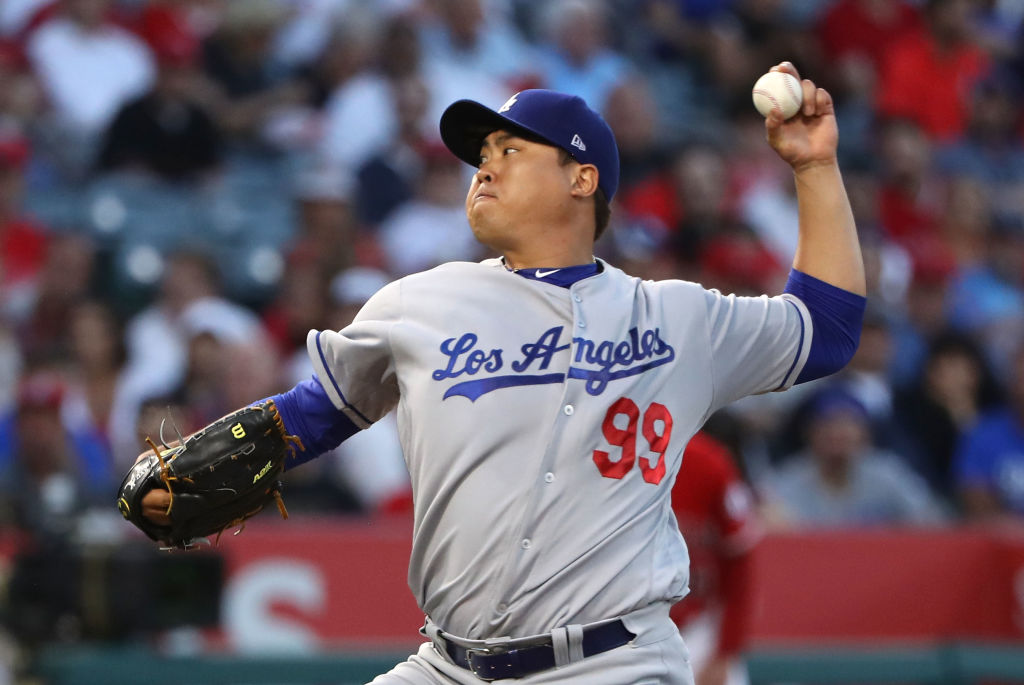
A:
(23, 243)
(863, 29)
(929, 76)
(716, 514)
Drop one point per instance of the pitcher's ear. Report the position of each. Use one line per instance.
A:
(585, 181)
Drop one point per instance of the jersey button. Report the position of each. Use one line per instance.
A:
(581, 324)
(526, 543)
(502, 608)
(577, 298)
(568, 409)
(549, 477)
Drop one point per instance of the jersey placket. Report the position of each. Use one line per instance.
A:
(523, 541)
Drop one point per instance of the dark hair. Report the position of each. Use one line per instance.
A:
(602, 210)
(956, 343)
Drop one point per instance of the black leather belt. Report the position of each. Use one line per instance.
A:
(518, 663)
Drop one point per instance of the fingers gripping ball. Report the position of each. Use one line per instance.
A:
(217, 478)
(778, 90)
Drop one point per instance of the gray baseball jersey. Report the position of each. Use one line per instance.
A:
(543, 428)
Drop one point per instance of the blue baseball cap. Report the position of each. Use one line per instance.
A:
(834, 401)
(562, 120)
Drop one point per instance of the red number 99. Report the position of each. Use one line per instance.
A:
(625, 438)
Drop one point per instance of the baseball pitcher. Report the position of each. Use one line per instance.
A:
(545, 398)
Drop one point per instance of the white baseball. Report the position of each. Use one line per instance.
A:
(778, 90)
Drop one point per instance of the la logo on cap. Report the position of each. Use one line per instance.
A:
(577, 142)
(508, 104)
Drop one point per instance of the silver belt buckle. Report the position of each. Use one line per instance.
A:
(469, 660)
(488, 652)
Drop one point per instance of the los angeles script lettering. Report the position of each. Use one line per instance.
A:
(612, 359)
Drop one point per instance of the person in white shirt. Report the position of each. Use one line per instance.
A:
(88, 68)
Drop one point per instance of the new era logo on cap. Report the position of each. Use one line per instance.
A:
(562, 120)
(508, 103)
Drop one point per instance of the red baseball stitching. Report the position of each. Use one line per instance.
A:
(775, 103)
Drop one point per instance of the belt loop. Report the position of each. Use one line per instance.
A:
(560, 643)
(575, 635)
(433, 633)
(430, 629)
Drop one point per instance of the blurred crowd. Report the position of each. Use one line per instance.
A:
(188, 186)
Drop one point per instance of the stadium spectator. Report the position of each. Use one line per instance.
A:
(964, 221)
(204, 386)
(167, 131)
(237, 57)
(220, 365)
(646, 207)
(388, 178)
(856, 33)
(942, 53)
(95, 387)
(989, 466)
(910, 194)
(576, 56)
(301, 305)
(24, 243)
(64, 280)
(326, 231)
(45, 483)
(709, 239)
(632, 114)
(683, 27)
(923, 315)
(303, 37)
(462, 37)
(841, 479)
(866, 378)
(359, 120)
(986, 299)
(699, 175)
(955, 387)
(736, 261)
(88, 67)
(991, 152)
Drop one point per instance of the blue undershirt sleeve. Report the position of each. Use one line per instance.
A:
(308, 413)
(836, 316)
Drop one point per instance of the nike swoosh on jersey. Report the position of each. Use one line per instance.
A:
(544, 274)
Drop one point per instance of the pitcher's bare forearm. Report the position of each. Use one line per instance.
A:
(828, 247)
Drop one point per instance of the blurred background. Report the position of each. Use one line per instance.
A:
(188, 186)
